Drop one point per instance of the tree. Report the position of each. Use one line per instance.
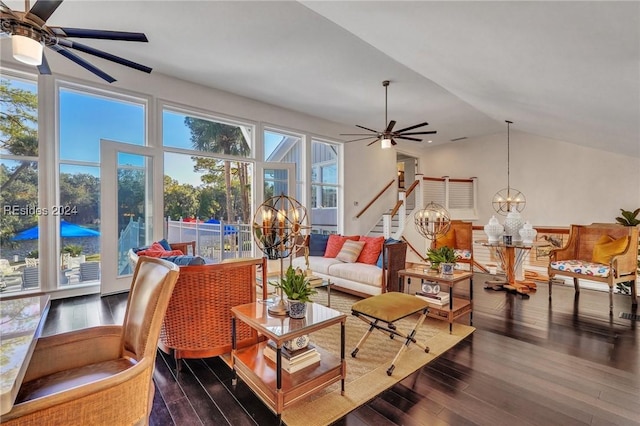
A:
(180, 200)
(18, 126)
(219, 138)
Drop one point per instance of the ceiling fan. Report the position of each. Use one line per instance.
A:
(388, 135)
(29, 33)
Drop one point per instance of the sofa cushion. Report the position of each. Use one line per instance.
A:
(371, 250)
(350, 251)
(335, 242)
(359, 272)
(580, 267)
(317, 244)
(606, 247)
(318, 264)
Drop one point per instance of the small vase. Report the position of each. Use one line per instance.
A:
(527, 233)
(512, 225)
(494, 230)
(297, 309)
(447, 268)
(297, 343)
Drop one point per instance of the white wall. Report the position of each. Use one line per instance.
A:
(564, 183)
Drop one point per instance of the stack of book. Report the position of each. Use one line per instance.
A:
(441, 298)
(293, 361)
(314, 281)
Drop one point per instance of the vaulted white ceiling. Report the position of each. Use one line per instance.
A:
(563, 70)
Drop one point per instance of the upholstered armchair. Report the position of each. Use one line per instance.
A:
(601, 252)
(100, 375)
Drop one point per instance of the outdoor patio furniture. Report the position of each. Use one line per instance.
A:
(89, 271)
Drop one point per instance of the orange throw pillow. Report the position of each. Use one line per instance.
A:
(606, 247)
(156, 250)
(335, 242)
(371, 250)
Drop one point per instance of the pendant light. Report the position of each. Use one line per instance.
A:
(508, 199)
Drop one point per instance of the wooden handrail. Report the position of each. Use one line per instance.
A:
(396, 208)
(375, 198)
(411, 188)
(413, 249)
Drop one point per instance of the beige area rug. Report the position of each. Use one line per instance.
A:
(367, 373)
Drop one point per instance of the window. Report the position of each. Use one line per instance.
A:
(458, 196)
(86, 117)
(19, 184)
(324, 187)
(194, 133)
(280, 147)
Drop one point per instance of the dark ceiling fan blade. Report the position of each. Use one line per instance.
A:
(390, 125)
(430, 132)
(356, 134)
(43, 9)
(412, 127)
(78, 60)
(371, 143)
(408, 138)
(104, 55)
(393, 142)
(98, 34)
(43, 68)
(361, 139)
(366, 128)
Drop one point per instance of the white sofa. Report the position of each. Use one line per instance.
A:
(359, 278)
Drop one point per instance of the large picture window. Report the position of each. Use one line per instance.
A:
(324, 187)
(19, 237)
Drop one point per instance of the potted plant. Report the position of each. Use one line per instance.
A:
(295, 285)
(628, 218)
(444, 257)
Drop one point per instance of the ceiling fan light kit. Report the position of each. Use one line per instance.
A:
(388, 135)
(30, 34)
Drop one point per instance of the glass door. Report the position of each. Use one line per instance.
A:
(275, 179)
(131, 208)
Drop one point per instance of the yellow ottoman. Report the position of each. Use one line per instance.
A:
(381, 311)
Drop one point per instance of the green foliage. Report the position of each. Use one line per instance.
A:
(440, 255)
(295, 285)
(73, 249)
(629, 218)
(34, 254)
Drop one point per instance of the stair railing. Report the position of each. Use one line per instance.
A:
(375, 198)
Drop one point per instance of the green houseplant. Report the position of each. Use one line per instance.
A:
(441, 255)
(295, 285)
(628, 218)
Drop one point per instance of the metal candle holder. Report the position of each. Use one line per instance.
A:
(277, 224)
(432, 221)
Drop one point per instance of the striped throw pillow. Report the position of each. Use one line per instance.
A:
(350, 251)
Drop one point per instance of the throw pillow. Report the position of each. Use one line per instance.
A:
(371, 250)
(318, 244)
(184, 260)
(604, 250)
(156, 250)
(448, 239)
(335, 242)
(165, 244)
(350, 251)
(387, 241)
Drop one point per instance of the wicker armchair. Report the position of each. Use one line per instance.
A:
(100, 375)
(198, 320)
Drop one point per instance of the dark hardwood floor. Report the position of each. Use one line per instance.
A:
(528, 363)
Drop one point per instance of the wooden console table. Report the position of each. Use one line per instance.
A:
(278, 389)
(457, 306)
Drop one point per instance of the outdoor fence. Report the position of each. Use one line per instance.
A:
(214, 239)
